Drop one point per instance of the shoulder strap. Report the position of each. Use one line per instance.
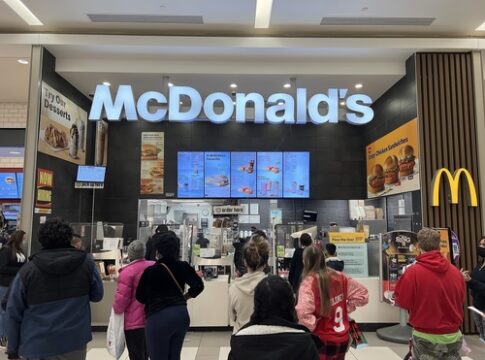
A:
(173, 277)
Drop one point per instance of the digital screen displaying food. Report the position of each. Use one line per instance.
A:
(296, 174)
(8, 186)
(190, 175)
(217, 180)
(243, 174)
(270, 174)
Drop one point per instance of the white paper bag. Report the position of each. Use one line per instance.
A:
(115, 336)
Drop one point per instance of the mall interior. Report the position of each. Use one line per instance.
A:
(216, 118)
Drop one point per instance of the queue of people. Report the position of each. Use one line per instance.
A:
(48, 302)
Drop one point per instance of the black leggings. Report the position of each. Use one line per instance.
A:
(135, 342)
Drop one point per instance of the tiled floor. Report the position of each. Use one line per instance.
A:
(215, 346)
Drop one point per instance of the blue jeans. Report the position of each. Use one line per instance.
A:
(165, 331)
(3, 315)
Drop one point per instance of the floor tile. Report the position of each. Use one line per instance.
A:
(374, 352)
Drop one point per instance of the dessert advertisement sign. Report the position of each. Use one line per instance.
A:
(393, 162)
(152, 163)
(63, 127)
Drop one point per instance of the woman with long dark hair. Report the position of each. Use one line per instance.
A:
(11, 260)
(325, 298)
(161, 290)
(273, 332)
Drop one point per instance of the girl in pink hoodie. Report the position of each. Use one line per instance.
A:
(125, 301)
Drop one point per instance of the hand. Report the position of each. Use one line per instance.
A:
(465, 274)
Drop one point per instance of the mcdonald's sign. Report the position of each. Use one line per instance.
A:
(454, 182)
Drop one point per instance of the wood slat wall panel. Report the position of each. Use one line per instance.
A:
(447, 125)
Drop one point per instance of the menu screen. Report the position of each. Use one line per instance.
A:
(190, 175)
(243, 174)
(296, 174)
(217, 174)
(20, 183)
(8, 186)
(270, 174)
(90, 173)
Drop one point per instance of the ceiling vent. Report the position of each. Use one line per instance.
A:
(152, 19)
(377, 21)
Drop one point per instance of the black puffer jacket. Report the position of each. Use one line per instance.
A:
(10, 265)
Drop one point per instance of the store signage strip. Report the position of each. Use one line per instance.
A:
(282, 112)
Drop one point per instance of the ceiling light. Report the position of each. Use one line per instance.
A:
(233, 86)
(14, 152)
(24, 12)
(359, 86)
(481, 27)
(233, 103)
(181, 103)
(105, 83)
(342, 103)
(263, 14)
(170, 84)
(287, 85)
(23, 61)
(281, 103)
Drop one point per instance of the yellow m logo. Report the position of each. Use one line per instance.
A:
(454, 181)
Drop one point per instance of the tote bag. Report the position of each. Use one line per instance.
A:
(115, 336)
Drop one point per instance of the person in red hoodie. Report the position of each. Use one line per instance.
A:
(325, 298)
(125, 301)
(433, 292)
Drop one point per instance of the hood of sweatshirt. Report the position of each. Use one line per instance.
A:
(59, 261)
(248, 282)
(434, 261)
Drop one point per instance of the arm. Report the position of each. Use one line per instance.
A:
(96, 291)
(16, 307)
(305, 309)
(291, 274)
(405, 292)
(476, 286)
(232, 304)
(196, 285)
(123, 293)
(357, 295)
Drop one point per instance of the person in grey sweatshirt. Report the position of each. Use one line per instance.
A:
(241, 292)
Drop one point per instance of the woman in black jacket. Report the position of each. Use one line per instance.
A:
(273, 332)
(161, 290)
(11, 260)
(476, 283)
(296, 265)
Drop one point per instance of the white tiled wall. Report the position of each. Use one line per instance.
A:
(11, 162)
(13, 115)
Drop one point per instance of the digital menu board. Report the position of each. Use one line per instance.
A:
(190, 175)
(270, 174)
(8, 186)
(243, 174)
(20, 183)
(91, 173)
(296, 174)
(217, 166)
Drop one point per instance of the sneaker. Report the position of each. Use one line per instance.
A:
(3, 341)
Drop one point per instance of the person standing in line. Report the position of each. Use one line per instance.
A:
(12, 259)
(48, 310)
(125, 302)
(296, 265)
(476, 283)
(241, 292)
(432, 290)
(273, 332)
(150, 245)
(161, 290)
(325, 299)
(332, 261)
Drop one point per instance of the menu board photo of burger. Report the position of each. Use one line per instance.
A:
(393, 162)
(152, 156)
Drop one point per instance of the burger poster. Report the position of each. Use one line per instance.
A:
(152, 163)
(393, 162)
(63, 127)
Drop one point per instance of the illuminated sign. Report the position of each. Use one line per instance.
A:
(219, 107)
(454, 182)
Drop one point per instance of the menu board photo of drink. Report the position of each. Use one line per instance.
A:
(270, 174)
(296, 174)
(8, 186)
(190, 175)
(243, 174)
(217, 166)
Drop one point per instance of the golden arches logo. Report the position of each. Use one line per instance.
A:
(454, 182)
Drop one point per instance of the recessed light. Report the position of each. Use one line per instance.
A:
(481, 27)
(233, 103)
(23, 61)
(342, 103)
(233, 86)
(181, 103)
(170, 84)
(106, 83)
(359, 86)
(24, 12)
(263, 14)
(287, 85)
(281, 103)
(14, 152)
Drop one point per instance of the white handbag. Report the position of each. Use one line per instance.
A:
(115, 336)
